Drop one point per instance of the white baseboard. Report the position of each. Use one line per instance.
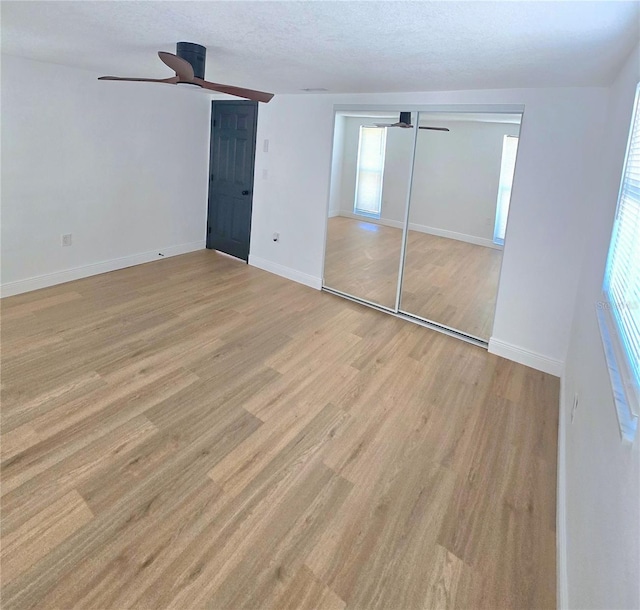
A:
(526, 357)
(77, 273)
(334, 213)
(561, 505)
(470, 239)
(286, 272)
(378, 221)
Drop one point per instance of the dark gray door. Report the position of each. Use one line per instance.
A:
(232, 157)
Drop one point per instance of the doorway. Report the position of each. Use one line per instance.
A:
(231, 168)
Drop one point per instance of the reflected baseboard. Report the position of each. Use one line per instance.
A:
(377, 221)
(470, 239)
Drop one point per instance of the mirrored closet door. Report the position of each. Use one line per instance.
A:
(457, 218)
(417, 217)
(369, 185)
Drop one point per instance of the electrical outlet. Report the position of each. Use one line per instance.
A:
(265, 174)
(67, 239)
(574, 408)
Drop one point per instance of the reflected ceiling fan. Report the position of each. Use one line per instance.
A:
(188, 64)
(405, 123)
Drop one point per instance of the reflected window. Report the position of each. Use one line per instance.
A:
(507, 169)
(369, 172)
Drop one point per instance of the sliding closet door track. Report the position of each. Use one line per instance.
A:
(403, 315)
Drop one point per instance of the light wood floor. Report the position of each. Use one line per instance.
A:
(196, 433)
(446, 281)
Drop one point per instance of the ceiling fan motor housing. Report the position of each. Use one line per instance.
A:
(195, 54)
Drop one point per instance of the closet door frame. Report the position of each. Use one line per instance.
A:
(416, 109)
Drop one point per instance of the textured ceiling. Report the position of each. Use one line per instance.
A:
(340, 46)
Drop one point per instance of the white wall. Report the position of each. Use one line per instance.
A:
(293, 199)
(456, 178)
(337, 164)
(121, 166)
(557, 165)
(599, 486)
(347, 177)
(395, 180)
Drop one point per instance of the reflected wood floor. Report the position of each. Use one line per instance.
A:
(197, 433)
(446, 281)
(362, 259)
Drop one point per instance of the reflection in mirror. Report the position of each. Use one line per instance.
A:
(369, 183)
(457, 219)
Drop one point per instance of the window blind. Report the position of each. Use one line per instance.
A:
(507, 169)
(622, 277)
(370, 169)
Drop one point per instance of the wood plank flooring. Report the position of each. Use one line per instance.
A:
(197, 433)
(446, 281)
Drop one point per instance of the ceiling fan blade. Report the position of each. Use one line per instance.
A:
(407, 126)
(180, 66)
(172, 80)
(250, 94)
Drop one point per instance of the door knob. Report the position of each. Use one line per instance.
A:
(245, 192)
